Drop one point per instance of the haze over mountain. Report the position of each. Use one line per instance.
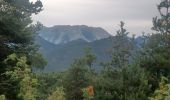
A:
(60, 45)
(62, 34)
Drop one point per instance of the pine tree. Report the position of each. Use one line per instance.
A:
(157, 58)
(122, 78)
(21, 76)
(156, 55)
(89, 58)
(75, 80)
(122, 48)
(79, 76)
(17, 37)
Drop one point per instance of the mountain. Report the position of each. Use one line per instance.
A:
(61, 48)
(60, 56)
(62, 34)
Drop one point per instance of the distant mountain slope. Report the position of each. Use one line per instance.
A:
(62, 34)
(60, 45)
(60, 57)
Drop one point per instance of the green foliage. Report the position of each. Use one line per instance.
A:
(2, 97)
(157, 58)
(89, 58)
(28, 86)
(131, 83)
(38, 61)
(122, 49)
(121, 79)
(75, 80)
(156, 55)
(163, 92)
(47, 83)
(17, 48)
(17, 31)
(58, 94)
(79, 76)
(21, 73)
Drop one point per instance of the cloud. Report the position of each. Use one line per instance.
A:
(104, 13)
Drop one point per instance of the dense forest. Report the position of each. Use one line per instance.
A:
(132, 73)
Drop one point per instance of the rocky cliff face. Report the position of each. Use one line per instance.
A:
(62, 34)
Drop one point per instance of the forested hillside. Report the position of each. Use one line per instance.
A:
(132, 72)
(60, 56)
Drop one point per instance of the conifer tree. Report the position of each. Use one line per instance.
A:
(21, 82)
(156, 55)
(79, 76)
(75, 80)
(122, 48)
(122, 78)
(157, 58)
(17, 37)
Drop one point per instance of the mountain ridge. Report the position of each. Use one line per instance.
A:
(61, 55)
(62, 34)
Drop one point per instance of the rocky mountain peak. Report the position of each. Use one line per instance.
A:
(62, 34)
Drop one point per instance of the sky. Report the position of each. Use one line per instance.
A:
(137, 14)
